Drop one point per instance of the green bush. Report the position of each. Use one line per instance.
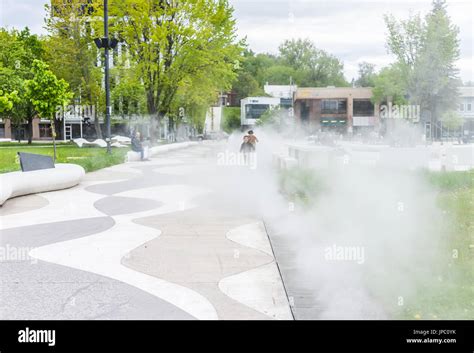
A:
(231, 119)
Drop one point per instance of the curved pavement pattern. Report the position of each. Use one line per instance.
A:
(143, 240)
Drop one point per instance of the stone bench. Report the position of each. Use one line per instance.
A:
(63, 176)
(135, 156)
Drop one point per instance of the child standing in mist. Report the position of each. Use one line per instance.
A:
(252, 140)
(248, 145)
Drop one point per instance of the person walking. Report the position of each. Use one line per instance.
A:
(252, 140)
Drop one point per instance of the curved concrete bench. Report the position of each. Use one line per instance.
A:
(63, 176)
(135, 156)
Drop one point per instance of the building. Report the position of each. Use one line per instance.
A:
(338, 109)
(284, 92)
(466, 110)
(252, 108)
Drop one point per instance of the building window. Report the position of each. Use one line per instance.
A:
(44, 130)
(2, 130)
(334, 106)
(304, 111)
(469, 107)
(461, 107)
(255, 111)
(363, 107)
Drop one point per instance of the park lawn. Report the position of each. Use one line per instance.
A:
(447, 292)
(449, 295)
(91, 158)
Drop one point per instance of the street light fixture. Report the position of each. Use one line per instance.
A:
(107, 44)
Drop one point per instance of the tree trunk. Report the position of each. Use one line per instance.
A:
(154, 118)
(30, 129)
(98, 131)
(59, 133)
(53, 134)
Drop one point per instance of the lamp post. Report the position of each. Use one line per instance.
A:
(107, 44)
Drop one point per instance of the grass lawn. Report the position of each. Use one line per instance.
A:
(449, 294)
(91, 158)
(447, 291)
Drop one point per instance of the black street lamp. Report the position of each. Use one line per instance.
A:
(107, 44)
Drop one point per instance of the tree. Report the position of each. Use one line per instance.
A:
(246, 86)
(18, 49)
(72, 55)
(314, 67)
(435, 80)
(47, 93)
(7, 100)
(389, 86)
(452, 120)
(231, 119)
(171, 41)
(426, 51)
(366, 75)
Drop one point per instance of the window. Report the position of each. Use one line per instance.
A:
(255, 111)
(2, 130)
(461, 107)
(304, 111)
(363, 107)
(334, 106)
(44, 130)
(469, 107)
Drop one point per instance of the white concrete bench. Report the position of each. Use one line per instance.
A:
(135, 156)
(63, 176)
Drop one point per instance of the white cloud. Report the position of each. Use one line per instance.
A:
(352, 30)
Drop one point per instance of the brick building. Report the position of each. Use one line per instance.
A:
(338, 109)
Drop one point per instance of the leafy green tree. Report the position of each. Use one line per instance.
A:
(366, 75)
(426, 51)
(280, 75)
(389, 86)
(170, 41)
(314, 66)
(435, 80)
(246, 86)
(47, 93)
(7, 100)
(18, 49)
(72, 55)
(452, 120)
(231, 119)
(128, 94)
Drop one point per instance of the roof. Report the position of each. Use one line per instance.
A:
(333, 92)
(466, 91)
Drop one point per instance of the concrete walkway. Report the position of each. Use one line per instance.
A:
(171, 238)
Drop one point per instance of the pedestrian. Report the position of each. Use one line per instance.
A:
(252, 140)
(137, 145)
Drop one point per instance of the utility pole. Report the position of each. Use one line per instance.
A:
(107, 84)
(107, 44)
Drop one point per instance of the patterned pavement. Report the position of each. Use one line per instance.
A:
(172, 238)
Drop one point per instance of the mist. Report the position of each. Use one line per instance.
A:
(361, 245)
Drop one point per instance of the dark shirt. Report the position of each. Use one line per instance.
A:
(136, 144)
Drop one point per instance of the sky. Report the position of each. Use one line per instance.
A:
(352, 30)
